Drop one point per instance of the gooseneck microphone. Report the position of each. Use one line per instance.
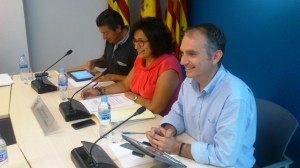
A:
(37, 75)
(74, 109)
(89, 156)
(41, 84)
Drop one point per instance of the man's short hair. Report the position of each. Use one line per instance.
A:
(111, 19)
(216, 39)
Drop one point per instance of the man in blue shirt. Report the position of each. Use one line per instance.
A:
(214, 107)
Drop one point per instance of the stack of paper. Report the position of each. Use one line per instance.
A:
(5, 80)
(121, 107)
(115, 101)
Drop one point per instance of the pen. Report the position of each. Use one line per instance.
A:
(95, 85)
(133, 132)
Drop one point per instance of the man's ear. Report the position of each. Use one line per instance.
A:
(118, 29)
(217, 56)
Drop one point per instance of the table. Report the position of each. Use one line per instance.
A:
(15, 157)
(4, 101)
(54, 150)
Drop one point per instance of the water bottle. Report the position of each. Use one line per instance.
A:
(63, 85)
(3, 153)
(23, 65)
(104, 116)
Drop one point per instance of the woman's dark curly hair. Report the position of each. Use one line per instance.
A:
(159, 38)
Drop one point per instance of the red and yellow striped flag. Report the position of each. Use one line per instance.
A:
(150, 8)
(120, 6)
(176, 21)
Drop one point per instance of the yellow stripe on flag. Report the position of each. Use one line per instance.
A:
(150, 8)
(176, 21)
(123, 10)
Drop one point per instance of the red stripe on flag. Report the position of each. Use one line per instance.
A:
(124, 9)
(158, 9)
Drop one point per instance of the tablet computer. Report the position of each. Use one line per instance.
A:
(154, 153)
(80, 75)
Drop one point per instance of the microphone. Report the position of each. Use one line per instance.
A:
(41, 84)
(37, 75)
(87, 156)
(74, 109)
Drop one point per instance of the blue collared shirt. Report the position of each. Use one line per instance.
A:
(221, 118)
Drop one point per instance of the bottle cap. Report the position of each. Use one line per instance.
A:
(104, 98)
(22, 55)
(62, 70)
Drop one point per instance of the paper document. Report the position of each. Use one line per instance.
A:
(79, 84)
(121, 108)
(125, 155)
(83, 83)
(5, 80)
(115, 101)
(122, 113)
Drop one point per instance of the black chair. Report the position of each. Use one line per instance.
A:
(275, 127)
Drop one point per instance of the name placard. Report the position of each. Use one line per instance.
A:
(43, 116)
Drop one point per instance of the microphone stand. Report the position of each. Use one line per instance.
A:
(41, 84)
(45, 73)
(88, 156)
(74, 109)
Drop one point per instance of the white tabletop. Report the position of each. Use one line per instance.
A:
(54, 150)
(15, 157)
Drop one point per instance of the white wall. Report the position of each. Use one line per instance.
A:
(13, 40)
(55, 26)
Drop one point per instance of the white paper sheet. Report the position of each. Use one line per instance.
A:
(5, 80)
(115, 101)
(79, 84)
(125, 155)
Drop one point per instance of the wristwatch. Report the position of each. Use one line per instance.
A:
(135, 97)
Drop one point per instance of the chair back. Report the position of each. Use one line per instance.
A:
(275, 127)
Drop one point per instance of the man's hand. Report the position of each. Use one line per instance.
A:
(90, 65)
(163, 139)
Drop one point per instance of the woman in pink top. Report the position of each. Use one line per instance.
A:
(154, 80)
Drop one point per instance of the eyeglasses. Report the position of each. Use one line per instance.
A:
(140, 43)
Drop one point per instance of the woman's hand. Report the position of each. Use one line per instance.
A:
(130, 95)
(88, 92)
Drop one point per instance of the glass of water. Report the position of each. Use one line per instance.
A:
(28, 76)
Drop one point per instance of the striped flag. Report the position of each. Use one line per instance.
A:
(176, 21)
(150, 8)
(120, 6)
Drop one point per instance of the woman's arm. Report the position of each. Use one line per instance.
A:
(165, 88)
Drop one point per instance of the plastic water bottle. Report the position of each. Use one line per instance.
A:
(3, 153)
(104, 116)
(23, 65)
(63, 85)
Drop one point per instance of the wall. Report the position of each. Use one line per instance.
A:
(262, 48)
(54, 27)
(13, 40)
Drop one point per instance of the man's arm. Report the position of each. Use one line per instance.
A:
(99, 62)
